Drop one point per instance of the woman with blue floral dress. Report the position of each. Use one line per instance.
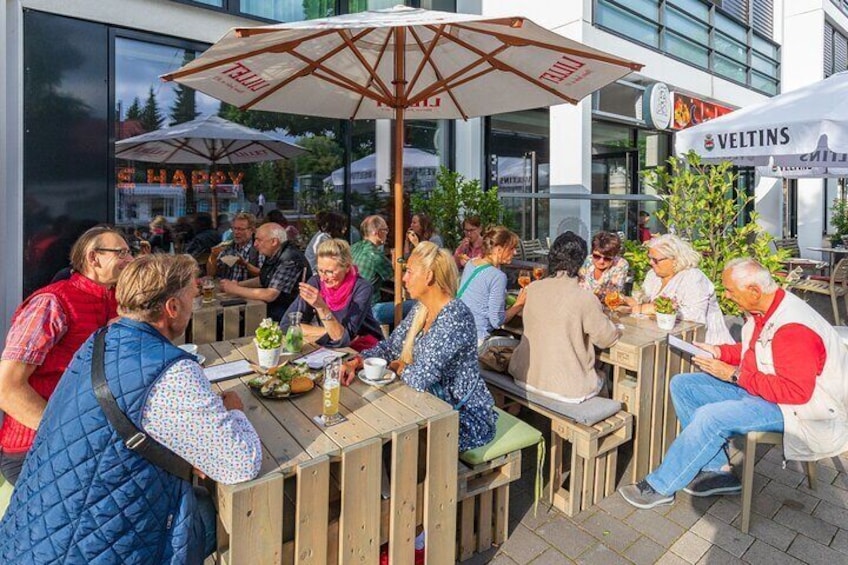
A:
(434, 349)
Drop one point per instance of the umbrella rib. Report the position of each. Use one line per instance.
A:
(514, 41)
(436, 70)
(280, 48)
(361, 58)
(383, 50)
(309, 69)
(498, 64)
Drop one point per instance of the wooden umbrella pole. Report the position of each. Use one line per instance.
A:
(399, 83)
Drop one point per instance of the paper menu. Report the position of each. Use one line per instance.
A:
(317, 358)
(687, 347)
(227, 371)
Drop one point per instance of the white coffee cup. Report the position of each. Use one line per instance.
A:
(374, 368)
(189, 348)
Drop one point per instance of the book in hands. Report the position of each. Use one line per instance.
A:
(689, 348)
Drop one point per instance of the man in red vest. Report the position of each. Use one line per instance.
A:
(46, 331)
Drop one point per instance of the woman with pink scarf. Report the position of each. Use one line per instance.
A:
(338, 299)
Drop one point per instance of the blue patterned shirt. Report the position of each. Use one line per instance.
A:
(444, 362)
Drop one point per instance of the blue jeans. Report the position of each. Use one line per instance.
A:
(384, 312)
(710, 411)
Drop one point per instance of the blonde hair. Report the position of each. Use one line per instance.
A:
(337, 249)
(680, 251)
(146, 284)
(430, 257)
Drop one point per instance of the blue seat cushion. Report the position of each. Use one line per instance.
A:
(588, 412)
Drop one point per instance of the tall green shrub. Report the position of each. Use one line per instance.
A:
(453, 199)
(703, 205)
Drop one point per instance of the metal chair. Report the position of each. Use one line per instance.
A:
(749, 452)
(532, 249)
(835, 287)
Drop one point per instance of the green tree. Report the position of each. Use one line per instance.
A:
(455, 198)
(151, 116)
(325, 155)
(134, 111)
(703, 204)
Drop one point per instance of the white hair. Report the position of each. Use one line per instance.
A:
(678, 250)
(275, 230)
(745, 271)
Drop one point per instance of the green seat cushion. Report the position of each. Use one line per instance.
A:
(5, 494)
(511, 434)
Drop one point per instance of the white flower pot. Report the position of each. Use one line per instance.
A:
(267, 357)
(666, 321)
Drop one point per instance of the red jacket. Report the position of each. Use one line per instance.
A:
(87, 306)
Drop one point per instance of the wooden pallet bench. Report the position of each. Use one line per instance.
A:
(594, 429)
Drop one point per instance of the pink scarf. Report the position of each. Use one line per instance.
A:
(337, 298)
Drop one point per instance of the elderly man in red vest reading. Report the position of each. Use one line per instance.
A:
(46, 331)
(788, 375)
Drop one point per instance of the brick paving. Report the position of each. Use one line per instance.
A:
(790, 524)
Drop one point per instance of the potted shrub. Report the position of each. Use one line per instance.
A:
(269, 338)
(666, 311)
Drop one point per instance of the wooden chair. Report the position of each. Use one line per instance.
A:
(532, 249)
(749, 452)
(835, 287)
(795, 260)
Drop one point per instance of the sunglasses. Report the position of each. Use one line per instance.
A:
(599, 257)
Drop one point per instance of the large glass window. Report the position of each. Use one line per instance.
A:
(712, 35)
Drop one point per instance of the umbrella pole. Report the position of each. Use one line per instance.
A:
(213, 187)
(399, 83)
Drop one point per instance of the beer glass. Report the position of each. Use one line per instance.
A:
(332, 389)
(208, 290)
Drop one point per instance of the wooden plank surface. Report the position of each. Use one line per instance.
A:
(359, 528)
(253, 512)
(440, 490)
(312, 513)
(404, 495)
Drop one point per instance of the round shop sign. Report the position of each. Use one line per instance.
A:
(656, 106)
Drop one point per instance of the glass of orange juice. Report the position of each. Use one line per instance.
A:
(523, 278)
(538, 273)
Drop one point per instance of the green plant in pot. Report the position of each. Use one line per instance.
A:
(666, 312)
(839, 221)
(268, 339)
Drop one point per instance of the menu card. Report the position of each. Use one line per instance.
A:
(317, 358)
(226, 371)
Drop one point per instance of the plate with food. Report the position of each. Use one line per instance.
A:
(282, 382)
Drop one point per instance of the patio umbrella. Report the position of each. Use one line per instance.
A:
(209, 140)
(400, 63)
(803, 132)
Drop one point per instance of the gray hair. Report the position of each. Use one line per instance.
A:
(678, 250)
(371, 225)
(275, 230)
(749, 272)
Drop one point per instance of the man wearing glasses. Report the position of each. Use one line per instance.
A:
(244, 262)
(46, 331)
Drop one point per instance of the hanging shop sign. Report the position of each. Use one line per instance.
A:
(689, 111)
(656, 106)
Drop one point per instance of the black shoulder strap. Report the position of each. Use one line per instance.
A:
(134, 439)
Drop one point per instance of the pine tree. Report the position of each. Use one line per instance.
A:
(185, 107)
(134, 111)
(151, 117)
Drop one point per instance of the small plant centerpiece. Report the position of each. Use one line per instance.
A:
(269, 338)
(666, 310)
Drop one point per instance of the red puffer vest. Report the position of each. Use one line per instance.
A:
(87, 306)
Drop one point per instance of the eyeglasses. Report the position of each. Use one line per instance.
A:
(120, 252)
(327, 273)
(599, 257)
(657, 260)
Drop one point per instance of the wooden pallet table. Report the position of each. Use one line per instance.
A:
(335, 495)
(642, 366)
(205, 319)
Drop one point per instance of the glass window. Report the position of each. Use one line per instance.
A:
(765, 47)
(694, 8)
(764, 83)
(686, 26)
(728, 26)
(686, 50)
(729, 68)
(288, 10)
(765, 66)
(216, 3)
(612, 17)
(648, 8)
(730, 48)
(620, 99)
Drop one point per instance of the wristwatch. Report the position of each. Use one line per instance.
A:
(734, 378)
(328, 317)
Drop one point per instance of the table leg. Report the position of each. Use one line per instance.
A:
(440, 489)
(313, 505)
(359, 526)
(404, 492)
(252, 515)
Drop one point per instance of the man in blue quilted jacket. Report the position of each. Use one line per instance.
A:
(85, 497)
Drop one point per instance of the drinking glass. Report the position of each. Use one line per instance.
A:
(638, 297)
(523, 278)
(538, 273)
(208, 290)
(331, 391)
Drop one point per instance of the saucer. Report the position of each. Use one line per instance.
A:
(388, 377)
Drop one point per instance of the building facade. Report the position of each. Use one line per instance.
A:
(79, 75)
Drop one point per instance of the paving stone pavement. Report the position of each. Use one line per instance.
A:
(790, 524)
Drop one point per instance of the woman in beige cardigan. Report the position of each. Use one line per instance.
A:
(563, 323)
